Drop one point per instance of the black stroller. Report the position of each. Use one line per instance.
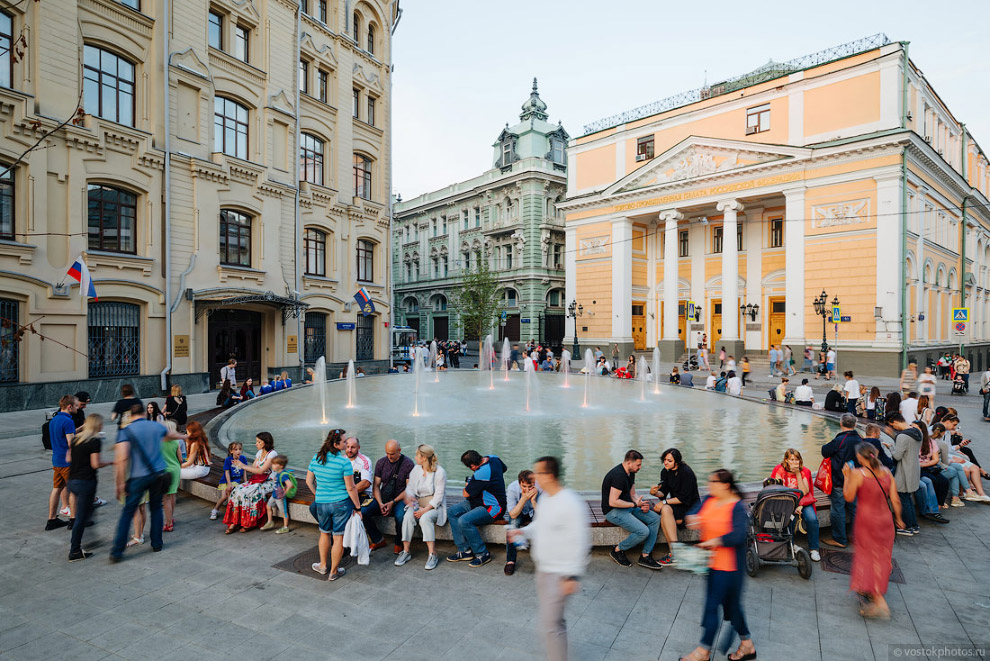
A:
(691, 363)
(769, 540)
(958, 386)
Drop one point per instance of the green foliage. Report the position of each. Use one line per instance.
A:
(478, 301)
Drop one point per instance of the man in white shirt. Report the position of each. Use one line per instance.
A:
(561, 541)
(909, 407)
(773, 361)
(710, 381)
(830, 364)
(229, 372)
(803, 395)
(734, 385)
(852, 392)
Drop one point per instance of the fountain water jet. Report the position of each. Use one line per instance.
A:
(528, 369)
(506, 354)
(433, 361)
(656, 370)
(589, 365)
(565, 366)
(320, 386)
(418, 375)
(642, 376)
(351, 387)
(488, 358)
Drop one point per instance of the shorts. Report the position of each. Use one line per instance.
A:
(332, 517)
(279, 506)
(680, 511)
(60, 476)
(831, 367)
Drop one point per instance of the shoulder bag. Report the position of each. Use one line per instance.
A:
(165, 480)
(890, 505)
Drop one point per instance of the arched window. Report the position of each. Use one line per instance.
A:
(365, 260)
(230, 127)
(356, 27)
(114, 339)
(108, 85)
(555, 298)
(112, 219)
(235, 238)
(362, 177)
(440, 303)
(315, 246)
(371, 38)
(311, 159)
(411, 304)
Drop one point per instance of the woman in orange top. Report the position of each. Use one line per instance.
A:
(722, 519)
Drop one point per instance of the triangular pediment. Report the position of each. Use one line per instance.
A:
(189, 61)
(694, 158)
(280, 101)
(369, 80)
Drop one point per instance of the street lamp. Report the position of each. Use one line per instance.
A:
(573, 312)
(823, 310)
(751, 309)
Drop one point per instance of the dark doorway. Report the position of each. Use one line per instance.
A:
(365, 337)
(235, 334)
(413, 323)
(510, 330)
(553, 330)
(441, 328)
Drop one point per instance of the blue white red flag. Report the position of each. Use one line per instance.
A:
(80, 273)
(364, 300)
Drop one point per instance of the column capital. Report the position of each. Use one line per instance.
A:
(794, 193)
(729, 205)
(671, 215)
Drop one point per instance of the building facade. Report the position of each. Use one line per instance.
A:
(840, 171)
(506, 216)
(225, 179)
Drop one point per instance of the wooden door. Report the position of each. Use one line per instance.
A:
(715, 333)
(776, 328)
(639, 326)
(510, 329)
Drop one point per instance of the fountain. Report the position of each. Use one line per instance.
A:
(487, 358)
(565, 366)
(418, 375)
(642, 376)
(589, 366)
(351, 387)
(320, 386)
(528, 369)
(656, 370)
(506, 354)
(433, 361)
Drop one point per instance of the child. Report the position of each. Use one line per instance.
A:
(266, 388)
(285, 489)
(232, 474)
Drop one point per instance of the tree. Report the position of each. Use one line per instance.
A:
(478, 300)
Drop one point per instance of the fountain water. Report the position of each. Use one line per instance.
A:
(589, 365)
(656, 370)
(643, 377)
(506, 354)
(528, 369)
(320, 386)
(565, 366)
(351, 387)
(433, 361)
(487, 357)
(418, 374)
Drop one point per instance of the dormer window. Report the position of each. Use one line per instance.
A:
(507, 151)
(557, 150)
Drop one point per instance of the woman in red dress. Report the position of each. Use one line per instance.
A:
(877, 510)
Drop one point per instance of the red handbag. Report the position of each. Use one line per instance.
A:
(823, 479)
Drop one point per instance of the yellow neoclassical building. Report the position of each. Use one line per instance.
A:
(742, 201)
(225, 178)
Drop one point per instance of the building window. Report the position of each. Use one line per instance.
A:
(440, 303)
(9, 344)
(355, 28)
(371, 110)
(322, 85)
(112, 219)
(216, 31)
(114, 339)
(365, 261)
(466, 260)
(644, 148)
(371, 39)
(315, 246)
(412, 304)
(510, 298)
(108, 86)
(362, 177)
(717, 239)
(776, 232)
(464, 219)
(434, 267)
(444, 221)
(133, 4)
(758, 119)
(304, 76)
(477, 216)
(230, 127)
(557, 147)
(506, 152)
(445, 262)
(7, 204)
(508, 257)
(6, 44)
(357, 101)
(311, 159)
(315, 9)
(682, 243)
(739, 237)
(553, 300)
(365, 337)
(558, 256)
(241, 43)
(235, 238)
(315, 337)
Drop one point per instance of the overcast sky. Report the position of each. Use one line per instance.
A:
(463, 68)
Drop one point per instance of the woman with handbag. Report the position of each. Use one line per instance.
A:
(426, 504)
(793, 474)
(248, 503)
(878, 511)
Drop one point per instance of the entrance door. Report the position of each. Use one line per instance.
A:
(235, 334)
(553, 330)
(639, 326)
(777, 320)
(716, 332)
(440, 328)
(413, 323)
(510, 330)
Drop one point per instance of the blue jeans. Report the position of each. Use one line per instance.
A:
(464, 524)
(957, 478)
(838, 514)
(907, 509)
(810, 518)
(135, 488)
(510, 549)
(85, 492)
(851, 406)
(724, 589)
(332, 518)
(372, 510)
(642, 527)
(927, 502)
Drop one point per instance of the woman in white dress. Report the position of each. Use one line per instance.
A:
(426, 504)
(926, 385)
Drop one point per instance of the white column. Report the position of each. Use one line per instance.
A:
(670, 219)
(753, 242)
(570, 276)
(622, 280)
(794, 219)
(730, 270)
(888, 294)
(651, 284)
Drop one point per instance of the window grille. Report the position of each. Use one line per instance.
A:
(9, 346)
(316, 337)
(114, 339)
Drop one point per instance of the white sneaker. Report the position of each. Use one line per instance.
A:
(65, 511)
(984, 499)
(403, 558)
(431, 562)
(213, 515)
(98, 502)
(815, 556)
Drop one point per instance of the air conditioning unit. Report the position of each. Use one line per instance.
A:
(750, 130)
(640, 157)
(928, 139)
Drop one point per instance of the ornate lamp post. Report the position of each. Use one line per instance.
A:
(823, 310)
(573, 312)
(751, 309)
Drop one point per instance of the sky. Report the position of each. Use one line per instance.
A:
(463, 68)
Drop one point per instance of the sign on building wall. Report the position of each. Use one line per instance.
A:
(291, 343)
(180, 346)
(345, 325)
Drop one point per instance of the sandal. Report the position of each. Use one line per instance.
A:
(693, 656)
(135, 541)
(230, 530)
(243, 530)
(169, 527)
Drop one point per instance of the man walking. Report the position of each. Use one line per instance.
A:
(841, 450)
(61, 429)
(561, 541)
(985, 391)
(484, 504)
(773, 360)
(622, 507)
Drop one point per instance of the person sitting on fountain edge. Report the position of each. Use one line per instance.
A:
(678, 491)
(485, 504)
(622, 507)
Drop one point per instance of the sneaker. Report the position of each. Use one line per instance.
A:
(55, 524)
(816, 556)
(971, 495)
(907, 532)
(213, 515)
(377, 545)
(268, 525)
(340, 572)
(984, 499)
(620, 558)
(648, 562)
(936, 517)
(403, 558)
(65, 511)
(510, 569)
(431, 562)
(481, 560)
(461, 556)
(282, 530)
(916, 530)
(320, 570)
(98, 502)
(79, 555)
(668, 560)
(957, 502)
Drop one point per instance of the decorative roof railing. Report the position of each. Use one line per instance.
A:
(767, 72)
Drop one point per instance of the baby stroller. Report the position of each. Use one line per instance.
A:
(769, 540)
(691, 363)
(958, 386)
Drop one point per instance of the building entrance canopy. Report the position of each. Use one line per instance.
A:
(290, 307)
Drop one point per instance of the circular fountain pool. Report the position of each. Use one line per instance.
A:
(461, 411)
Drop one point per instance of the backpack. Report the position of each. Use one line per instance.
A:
(720, 385)
(290, 491)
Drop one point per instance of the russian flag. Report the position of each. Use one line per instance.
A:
(364, 300)
(80, 273)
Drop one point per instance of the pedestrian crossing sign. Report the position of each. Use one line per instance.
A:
(960, 314)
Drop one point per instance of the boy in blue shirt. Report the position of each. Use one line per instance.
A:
(61, 429)
(285, 490)
(485, 504)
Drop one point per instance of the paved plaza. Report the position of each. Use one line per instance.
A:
(215, 596)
